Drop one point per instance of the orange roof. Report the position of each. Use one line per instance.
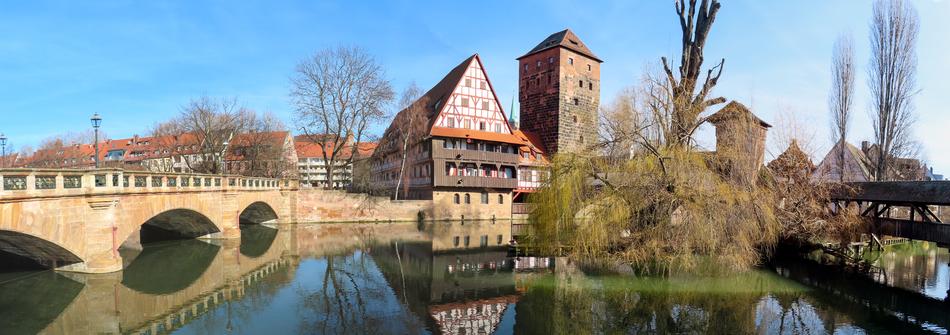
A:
(530, 139)
(307, 149)
(476, 135)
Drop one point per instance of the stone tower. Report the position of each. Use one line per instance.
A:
(559, 92)
(740, 141)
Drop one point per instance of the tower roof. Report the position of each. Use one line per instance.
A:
(565, 39)
(734, 110)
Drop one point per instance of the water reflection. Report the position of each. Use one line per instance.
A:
(404, 279)
(30, 303)
(916, 266)
(169, 267)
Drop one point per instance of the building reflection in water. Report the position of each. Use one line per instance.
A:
(402, 278)
(460, 280)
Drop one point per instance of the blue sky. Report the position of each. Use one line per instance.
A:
(137, 62)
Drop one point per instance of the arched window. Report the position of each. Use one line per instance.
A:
(501, 199)
(456, 198)
(484, 198)
(468, 199)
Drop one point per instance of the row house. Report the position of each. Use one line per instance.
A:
(312, 169)
(255, 153)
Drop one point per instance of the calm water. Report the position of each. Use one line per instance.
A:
(394, 279)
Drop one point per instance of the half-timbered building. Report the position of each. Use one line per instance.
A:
(454, 146)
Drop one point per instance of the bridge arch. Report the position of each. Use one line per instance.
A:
(27, 250)
(258, 212)
(176, 224)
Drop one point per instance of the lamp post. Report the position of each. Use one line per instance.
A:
(96, 121)
(3, 151)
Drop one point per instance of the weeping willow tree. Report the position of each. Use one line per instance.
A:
(662, 205)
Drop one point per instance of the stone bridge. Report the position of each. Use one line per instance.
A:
(76, 220)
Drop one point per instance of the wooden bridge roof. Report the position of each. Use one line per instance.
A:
(896, 192)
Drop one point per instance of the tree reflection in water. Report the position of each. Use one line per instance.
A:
(353, 298)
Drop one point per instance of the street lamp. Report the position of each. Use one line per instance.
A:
(96, 121)
(3, 151)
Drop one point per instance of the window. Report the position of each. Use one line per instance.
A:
(570, 60)
(590, 86)
(464, 100)
(550, 60)
(539, 64)
(450, 170)
(485, 105)
(483, 242)
(575, 118)
(455, 241)
(500, 238)
(497, 127)
(468, 124)
(580, 83)
(501, 199)
(450, 122)
(468, 82)
(588, 67)
(481, 125)
(482, 85)
(526, 67)
(456, 202)
(468, 200)
(576, 102)
(484, 198)
(466, 241)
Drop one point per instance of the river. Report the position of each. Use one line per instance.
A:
(407, 279)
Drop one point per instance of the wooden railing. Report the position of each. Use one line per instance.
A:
(472, 181)
(522, 208)
(475, 156)
(45, 182)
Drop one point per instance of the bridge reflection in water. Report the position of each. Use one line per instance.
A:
(401, 278)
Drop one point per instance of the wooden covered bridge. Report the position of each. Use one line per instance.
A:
(909, 209)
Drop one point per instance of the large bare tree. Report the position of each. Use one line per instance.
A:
(841, 96)
(407, 126)
(892, 78)
(213, 123)
(338, 93)
(688, 95)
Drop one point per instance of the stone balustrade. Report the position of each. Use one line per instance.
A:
(25, 183)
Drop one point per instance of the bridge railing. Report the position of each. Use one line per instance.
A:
(18, 183)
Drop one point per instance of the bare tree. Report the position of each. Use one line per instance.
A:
(405, 124)
(892, 79)
(841, 96)
(338, 94)
(213, 122)
(790, 128)
(687, 102)
(621, 124)
(262, 148)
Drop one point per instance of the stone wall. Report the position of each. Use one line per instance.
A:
(315, 205)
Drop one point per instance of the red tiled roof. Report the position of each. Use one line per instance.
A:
(308, 149)
(565, 39)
